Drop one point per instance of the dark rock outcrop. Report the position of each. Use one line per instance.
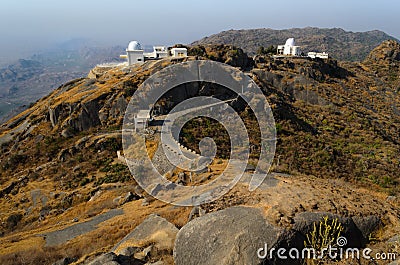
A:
(87, 118)
(367, 224)
(64, 261)
(223, 53)
(111, 258)
(387, 51)
(304, 224)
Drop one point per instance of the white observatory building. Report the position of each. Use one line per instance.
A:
(134, 53)
(289, 49)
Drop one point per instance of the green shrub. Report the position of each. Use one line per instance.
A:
(197, 51)
(84, 182)
(13, 220)
(14, 160)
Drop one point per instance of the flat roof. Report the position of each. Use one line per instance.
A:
(143, 114)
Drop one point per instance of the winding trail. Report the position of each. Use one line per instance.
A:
(59, 237)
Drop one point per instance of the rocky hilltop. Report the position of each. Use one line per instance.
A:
(27, 80)
(67, 197)
(341, 44)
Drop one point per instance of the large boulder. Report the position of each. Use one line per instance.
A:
(367, 224)
(229, 236)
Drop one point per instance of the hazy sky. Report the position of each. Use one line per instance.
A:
(30, 25)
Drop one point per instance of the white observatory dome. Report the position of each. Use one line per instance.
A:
(134, 46)
(290, 42)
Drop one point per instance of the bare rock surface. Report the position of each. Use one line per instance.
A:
(230, 236)
(154, 230)
(61, 236)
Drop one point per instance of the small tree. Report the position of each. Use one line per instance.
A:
(266, 51)
(270, 50)
(261, 50)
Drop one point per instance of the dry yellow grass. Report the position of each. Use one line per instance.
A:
(162, 240)
(21, 245)
(103, 238)
(151, 146)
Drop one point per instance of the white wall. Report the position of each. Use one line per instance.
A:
(322, 55)
(135, 57)
(179, 52)
(290, 50)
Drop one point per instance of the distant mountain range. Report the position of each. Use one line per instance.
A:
(27, 80)
(340, 44)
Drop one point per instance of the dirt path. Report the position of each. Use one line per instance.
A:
(61, 236)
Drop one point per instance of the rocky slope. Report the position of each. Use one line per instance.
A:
(341, 44)
(67, 196)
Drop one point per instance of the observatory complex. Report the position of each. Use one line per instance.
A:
(135, 53)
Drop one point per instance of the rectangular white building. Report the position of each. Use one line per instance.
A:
(135, 56)
(322, 55)
(179, 52)
(157, 53)
(141, 120)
